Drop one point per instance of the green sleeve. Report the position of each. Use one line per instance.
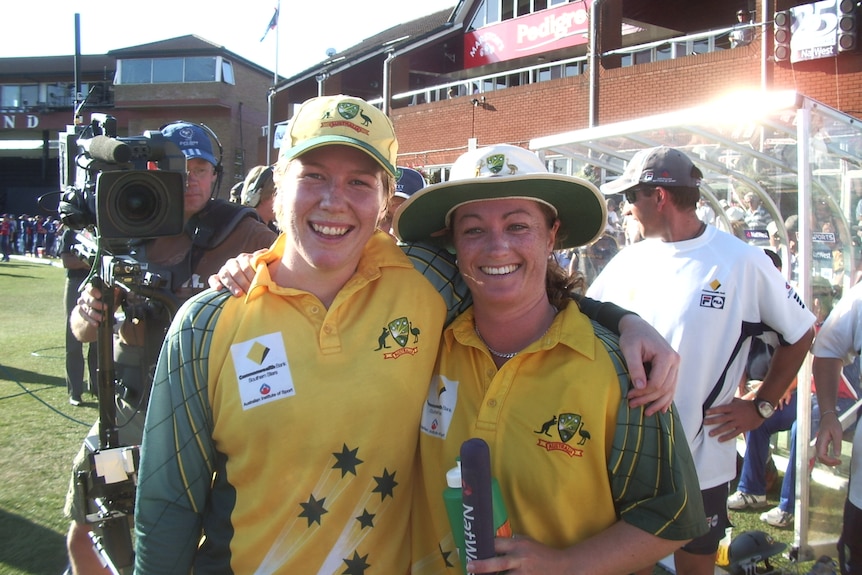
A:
(607, 314)
(438, 266)
(653, 478)
(177, 453)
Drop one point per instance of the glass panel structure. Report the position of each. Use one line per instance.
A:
(800, 158)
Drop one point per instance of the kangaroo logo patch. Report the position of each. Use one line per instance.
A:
(568, 425)
(403, 333)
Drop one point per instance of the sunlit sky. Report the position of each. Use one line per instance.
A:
(305, 31)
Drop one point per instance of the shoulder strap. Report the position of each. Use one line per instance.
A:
(212, 225)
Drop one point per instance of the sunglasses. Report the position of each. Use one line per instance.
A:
(631, 194)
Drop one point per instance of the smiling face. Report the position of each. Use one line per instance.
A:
(503, 248)
(328, 203)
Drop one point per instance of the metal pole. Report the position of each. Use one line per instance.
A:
(594, 63)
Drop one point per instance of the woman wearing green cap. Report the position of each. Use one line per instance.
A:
(590, 484)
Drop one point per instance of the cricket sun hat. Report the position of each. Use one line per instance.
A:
(661, 166)
(344, 120)
(191, 139)
(501, 172)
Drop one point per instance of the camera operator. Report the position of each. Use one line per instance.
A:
(214, 230)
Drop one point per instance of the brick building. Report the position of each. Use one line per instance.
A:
(143, 87)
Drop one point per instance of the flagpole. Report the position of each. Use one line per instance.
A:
(270, 136)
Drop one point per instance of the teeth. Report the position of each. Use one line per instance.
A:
(329, 230)
(500, 271)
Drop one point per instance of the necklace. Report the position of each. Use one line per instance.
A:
(512, 354)
(492, 350)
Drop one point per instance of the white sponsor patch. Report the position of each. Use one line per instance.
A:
(439, 406)
(262, 371)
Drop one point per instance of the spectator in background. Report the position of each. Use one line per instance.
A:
(704, 212)
(752, 487)
(838, 343)
(614, 225)
(258, 192)
(51, 237)
(76, 272)
(7, 226)
(408, 181)
(756, 219)
(743, 33)
(697, 285)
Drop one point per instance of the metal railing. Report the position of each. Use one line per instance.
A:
(667, 49)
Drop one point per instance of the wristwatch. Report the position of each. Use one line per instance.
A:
(765, 409)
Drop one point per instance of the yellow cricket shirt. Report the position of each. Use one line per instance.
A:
(285, 432)
(570, 456)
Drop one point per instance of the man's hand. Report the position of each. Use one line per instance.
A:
(88, 313)
(738, 416)
(641, 344)
(236, 275)
(830, 433)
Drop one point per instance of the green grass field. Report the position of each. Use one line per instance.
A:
(40, 432)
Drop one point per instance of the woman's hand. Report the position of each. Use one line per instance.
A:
(644, 349)
(236, 275)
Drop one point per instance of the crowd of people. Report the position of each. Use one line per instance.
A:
(26, 235)
(500, 304)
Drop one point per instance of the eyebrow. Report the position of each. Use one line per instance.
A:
(518, 211)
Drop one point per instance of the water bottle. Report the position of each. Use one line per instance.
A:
(474, 504)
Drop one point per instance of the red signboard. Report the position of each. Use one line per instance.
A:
(561, 27)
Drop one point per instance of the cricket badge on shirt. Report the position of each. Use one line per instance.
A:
(570, 431)
(439, 406)
(262, 371)
(713, 297)
(400, 336)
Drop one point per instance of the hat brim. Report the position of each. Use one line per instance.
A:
(618, 186)
(580, 207)
(319, 142)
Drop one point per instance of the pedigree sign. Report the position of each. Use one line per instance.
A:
(562, 27)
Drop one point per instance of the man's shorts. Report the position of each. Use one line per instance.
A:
(715, 506)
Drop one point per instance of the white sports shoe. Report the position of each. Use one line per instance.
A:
(777, 518)
(740, 500)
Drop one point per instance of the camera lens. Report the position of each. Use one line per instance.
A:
(139, 204)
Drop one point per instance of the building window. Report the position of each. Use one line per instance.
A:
(10, 96)
(495, 11)
(175, 70)
(167, 70)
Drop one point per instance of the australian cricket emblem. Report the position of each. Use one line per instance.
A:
(403, 333)
(568, 425)
(495, 163)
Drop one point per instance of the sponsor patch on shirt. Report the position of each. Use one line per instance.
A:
(262, 371)
(712, 297)
(439, 406)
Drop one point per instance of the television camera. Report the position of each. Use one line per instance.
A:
(114, 200)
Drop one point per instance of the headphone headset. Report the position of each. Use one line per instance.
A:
(213, 138)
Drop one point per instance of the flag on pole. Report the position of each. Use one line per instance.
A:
(272, 24)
